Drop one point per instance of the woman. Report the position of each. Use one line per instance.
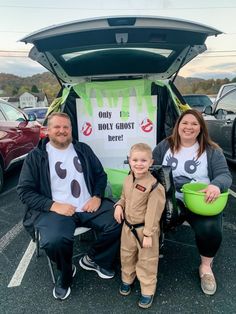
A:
(194, 157)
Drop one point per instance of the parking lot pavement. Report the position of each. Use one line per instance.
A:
(178, 283)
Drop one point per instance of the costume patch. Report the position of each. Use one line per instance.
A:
(140, 188)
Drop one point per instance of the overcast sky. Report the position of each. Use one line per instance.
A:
(21, 17)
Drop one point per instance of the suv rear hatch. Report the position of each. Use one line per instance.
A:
(118, 46)
(116, 75)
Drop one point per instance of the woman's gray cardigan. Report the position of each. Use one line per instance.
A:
(218, 170)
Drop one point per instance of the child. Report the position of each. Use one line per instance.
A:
(140, 206)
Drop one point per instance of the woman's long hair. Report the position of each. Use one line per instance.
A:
(203, 137)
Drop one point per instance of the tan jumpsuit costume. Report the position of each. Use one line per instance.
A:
(141, 204)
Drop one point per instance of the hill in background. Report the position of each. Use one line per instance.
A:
(12, 85)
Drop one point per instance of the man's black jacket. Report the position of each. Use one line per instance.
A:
(34, 187)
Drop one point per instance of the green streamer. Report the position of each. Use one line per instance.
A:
(141, 89)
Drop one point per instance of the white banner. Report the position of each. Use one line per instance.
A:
(111, 132)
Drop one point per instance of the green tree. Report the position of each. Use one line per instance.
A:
(15, 91)
(34, 89)
(23, 89)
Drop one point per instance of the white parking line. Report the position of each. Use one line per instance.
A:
(10, 235)
(232, 193)
(23, 265)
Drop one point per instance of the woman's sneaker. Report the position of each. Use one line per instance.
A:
(87, 264)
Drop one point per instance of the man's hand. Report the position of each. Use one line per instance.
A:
(147, 242)
(92, 205)
(119, 214)
(63, 209)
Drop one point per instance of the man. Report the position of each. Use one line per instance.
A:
(62, 185)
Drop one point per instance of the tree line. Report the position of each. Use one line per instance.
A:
(12, 85)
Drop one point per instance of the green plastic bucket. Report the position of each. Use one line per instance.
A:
(195, 200)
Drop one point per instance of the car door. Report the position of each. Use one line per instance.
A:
(20, 135)
(221, 123)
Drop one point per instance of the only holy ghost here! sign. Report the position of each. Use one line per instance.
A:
(112, 127)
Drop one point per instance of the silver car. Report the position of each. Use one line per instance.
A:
(221, 122)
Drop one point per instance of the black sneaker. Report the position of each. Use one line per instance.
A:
(125, 289)
(62, 293)
(87, 264)
(145, 301)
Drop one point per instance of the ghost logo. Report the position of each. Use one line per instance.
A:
(59, 171)
(74, 186)
(190, 166)
(87, 128)
(147, 125)
(172, 162)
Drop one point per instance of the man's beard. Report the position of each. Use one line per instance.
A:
(61, 144)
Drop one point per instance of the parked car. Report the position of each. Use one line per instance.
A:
(221, 123)
(18, 135)
(117, 76)
(224, 89)
(198, 101)
(40, 113)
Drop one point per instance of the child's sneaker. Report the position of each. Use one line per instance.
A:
(145, 301)
(125, 288)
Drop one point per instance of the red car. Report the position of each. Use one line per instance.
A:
(18, 135)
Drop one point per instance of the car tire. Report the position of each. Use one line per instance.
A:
(1, 178)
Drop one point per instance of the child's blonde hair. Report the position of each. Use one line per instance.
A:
(142, 147)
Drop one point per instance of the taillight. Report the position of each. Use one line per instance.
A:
(43, 132)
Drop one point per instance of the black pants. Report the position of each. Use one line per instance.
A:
(208, 230)
(57, 237)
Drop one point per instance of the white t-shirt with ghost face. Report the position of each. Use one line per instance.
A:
(67, 179)
(186, 167)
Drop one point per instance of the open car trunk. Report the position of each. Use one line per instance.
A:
(116, 75)
(122, 46)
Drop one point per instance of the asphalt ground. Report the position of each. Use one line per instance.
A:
(178, 289)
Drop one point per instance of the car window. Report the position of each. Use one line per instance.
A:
(227, 103)
(12, 114)
(199, 101)
(226, 89)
